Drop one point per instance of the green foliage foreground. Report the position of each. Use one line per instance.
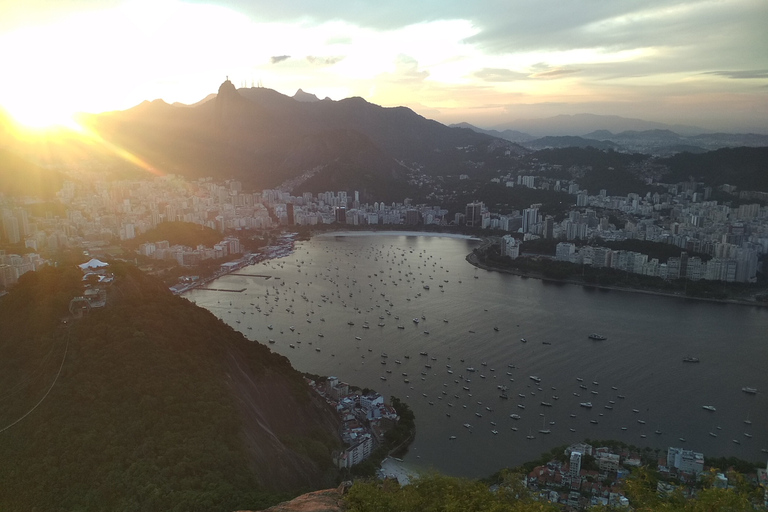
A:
(441, 493)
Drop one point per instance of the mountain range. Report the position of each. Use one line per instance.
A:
(265, 138)
(303, 143)
(658, 141)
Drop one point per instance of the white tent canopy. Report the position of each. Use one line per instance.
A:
(94, 263)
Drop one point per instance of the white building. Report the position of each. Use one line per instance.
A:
(686, 461)
(510, 246)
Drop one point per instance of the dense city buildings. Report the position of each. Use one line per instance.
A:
(717, 242)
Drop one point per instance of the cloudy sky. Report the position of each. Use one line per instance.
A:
(487, 62)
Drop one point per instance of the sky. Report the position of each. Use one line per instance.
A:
(487, 62)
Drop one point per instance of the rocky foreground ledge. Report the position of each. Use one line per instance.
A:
(328, 500)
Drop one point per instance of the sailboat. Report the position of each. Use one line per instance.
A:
(747, 421)
(544, 429)
(530, 436)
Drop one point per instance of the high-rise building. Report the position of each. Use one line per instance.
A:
(290, 214)
(11, 230)
(474, 214)
(341, 215)
(530, 218)
(575, 464)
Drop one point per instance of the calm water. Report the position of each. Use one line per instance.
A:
(331, 281)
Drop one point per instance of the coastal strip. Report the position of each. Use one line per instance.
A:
(472, 259)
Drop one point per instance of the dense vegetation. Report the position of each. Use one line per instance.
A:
(141, 416)
(441, 493)
(180, 233)
(744, 167)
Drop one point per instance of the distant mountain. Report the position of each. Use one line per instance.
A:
(570, 142)
(583, 124)
(666, 142)
(265, 138)
(305, 97)
(210, 97)
(510, 135)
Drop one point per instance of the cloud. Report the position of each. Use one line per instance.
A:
(554, 73)
(744, 74)
(279, 58)
(499, 75)
(406, 70)
(323, 61)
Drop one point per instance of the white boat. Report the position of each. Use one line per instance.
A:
(709, 407)
(588, 405)
(751, 391)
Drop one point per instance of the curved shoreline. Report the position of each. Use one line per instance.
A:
(473, 260)
(396, 233)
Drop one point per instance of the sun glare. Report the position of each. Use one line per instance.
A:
(40, 117)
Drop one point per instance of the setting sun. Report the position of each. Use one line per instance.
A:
(42, 116)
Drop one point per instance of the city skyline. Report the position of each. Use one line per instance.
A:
(695, 63)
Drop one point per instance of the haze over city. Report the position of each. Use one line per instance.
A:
(488, 63)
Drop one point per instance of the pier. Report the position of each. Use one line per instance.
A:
(223, 290)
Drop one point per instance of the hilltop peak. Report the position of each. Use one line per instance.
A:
(305, 97)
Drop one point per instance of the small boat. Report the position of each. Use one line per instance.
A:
(271, 340)
(751, 391)
(598, 337)
(588, 405)
(690, 359)
(524, 340)
(534, 378)
(496, 329)
(709, 407)
(514, 416)
(358, 338)
(452, 438)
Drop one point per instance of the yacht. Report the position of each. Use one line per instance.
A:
(588, 405)
(751, 391)
(709, 407)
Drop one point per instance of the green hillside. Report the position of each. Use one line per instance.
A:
(150, 403)
(180, 233)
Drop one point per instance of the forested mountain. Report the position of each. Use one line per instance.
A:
(150, 403)
(265, 138)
